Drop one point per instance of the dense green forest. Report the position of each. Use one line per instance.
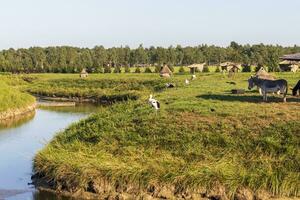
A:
(67, 59)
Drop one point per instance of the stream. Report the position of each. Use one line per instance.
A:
(21, 140)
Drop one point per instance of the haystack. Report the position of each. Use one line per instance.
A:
(165, 72)
(83, 73)
(263, 74)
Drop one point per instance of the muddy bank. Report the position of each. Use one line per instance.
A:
(55, 104)
(104, 190)
(17, 120)
(105, 99)
(17, 113)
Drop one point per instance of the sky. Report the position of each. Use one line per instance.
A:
(87, 23)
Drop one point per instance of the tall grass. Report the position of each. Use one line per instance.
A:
(11, 98)
(202, 136)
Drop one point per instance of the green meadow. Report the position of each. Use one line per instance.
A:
(11, 98)
(203, 138)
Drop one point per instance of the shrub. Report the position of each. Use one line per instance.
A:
(137, 70)
(171, 68)
(257, 68)
(107, 69)
(148, 70)
(246, 68)
(99, 70)
(157, 69)
(205, 69)
(218, 70)
(127, 69)
(181, 70)
(117, 69)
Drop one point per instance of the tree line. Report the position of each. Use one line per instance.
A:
(66, 59)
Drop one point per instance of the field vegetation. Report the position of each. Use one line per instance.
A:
(203, 141)
(11, 98)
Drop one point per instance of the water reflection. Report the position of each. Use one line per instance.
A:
(19, 142)
(33, 195)
(16, 121)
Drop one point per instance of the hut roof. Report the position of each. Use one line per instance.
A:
(83, 71)
(295, 57)
(165, 70)
(224, 64)
(262, 73)
(288, 62)
(196, 65)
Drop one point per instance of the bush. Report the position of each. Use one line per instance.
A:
(218, 70)
(117, 70)
(181, 70)
(157, 69)
(127, 69)
(257, 68)
(137, 70)
(148, 70)
(246, 68)
(99, 70)
(171, 68)
(107, 69)
(205, 69)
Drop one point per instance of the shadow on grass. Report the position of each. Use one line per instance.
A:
(246, 98)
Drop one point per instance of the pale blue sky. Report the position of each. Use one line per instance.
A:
(86, 23)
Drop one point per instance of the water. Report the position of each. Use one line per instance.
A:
(19, 142)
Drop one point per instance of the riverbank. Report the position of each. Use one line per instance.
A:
(11, 114)
(203, 143)
(14, 103)
(100, 89)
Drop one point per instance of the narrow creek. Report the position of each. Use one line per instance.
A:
(20, 141)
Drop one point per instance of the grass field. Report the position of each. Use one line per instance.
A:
(202, 138)
(11, 98)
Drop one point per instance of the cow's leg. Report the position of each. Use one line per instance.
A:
(284, 92)
(265, 95)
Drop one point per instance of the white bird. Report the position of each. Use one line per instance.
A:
(154, 103)
(193, 77)
(187, 82)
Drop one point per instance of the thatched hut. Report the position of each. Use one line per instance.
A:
(263, 74)
(196, 67)
(230, 67)
(165, 72)
(83, 73)
(290, 62)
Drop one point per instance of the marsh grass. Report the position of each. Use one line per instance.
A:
(107, 89)
(11, 98)
(202, 136)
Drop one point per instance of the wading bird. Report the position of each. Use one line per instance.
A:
(154, 103)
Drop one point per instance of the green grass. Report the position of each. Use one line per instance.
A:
(11, 98)
(109, 87)
(203, 136)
